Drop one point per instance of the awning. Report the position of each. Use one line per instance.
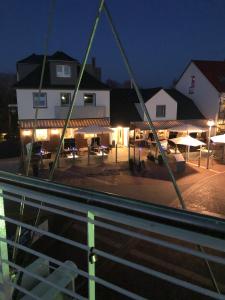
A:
(94, 129)
(163, 125)
(43, 124)
(187, 128)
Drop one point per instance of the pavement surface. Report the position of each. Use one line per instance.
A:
(202, 189)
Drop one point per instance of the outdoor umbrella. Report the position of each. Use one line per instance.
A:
(187, 128)
(218, 138)
(187, 141)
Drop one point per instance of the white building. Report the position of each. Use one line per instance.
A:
(204, 83)
(167, 108)
(92, 106)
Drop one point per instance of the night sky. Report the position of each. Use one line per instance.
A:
(160, 36)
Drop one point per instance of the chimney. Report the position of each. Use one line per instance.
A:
(93, 62)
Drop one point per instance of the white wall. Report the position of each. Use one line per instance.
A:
(205, 96)
(162, 98)
(25, 102)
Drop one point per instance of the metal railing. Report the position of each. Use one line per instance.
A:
(101, 246)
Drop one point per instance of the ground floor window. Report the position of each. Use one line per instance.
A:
(41, 134)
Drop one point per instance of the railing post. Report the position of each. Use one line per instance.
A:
(91, 262)
(116, 153)
(4, 268)
(129, 152)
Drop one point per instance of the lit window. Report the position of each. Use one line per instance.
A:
(160, 111)
(41, 134)
(39, 100)
(89, 99)
(63, 71)
(65, 99)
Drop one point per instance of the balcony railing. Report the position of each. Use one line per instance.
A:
(81, 112)
(91, 245)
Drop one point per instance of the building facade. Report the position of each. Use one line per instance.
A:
(92, 106)
(167, 108)
(204, 83)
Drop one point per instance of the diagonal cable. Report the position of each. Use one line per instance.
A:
(152, 128)
(46, 46)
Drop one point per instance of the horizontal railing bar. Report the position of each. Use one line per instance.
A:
(24, 291)
(118, 289)
(125, 231)
(46, 208)
(42, 279)
(152, 226)
(160, 275)
(44, 256)
(44, 232)
(80, 272)
(160, 242)
(173, 214)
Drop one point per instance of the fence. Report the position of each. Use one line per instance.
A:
(91, 245)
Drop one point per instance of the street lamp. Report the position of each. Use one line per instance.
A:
(210, 123)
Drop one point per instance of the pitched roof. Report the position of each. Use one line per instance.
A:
(32, 59)
(186, 108)
(38, 58)
(32, 81)
(214, 72)
(59, 55)
(123, 109)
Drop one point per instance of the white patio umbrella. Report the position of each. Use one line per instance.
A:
(218, 138)
(94, 129)
(188, 141)
(189, 128)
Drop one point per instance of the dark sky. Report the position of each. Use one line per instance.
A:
(160, 36)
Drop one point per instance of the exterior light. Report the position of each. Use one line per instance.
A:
(92, 256)
(54, 131)
(27, 133)
(210, 123)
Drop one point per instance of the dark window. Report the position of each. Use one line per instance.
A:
(39, 101)
(65, 99)
(69, 143)
(160, 110)
(89, 99)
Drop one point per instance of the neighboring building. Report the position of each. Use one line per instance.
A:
(204, 83)
(167, 108)
(92, 105)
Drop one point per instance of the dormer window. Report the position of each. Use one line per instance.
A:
(63, 71)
